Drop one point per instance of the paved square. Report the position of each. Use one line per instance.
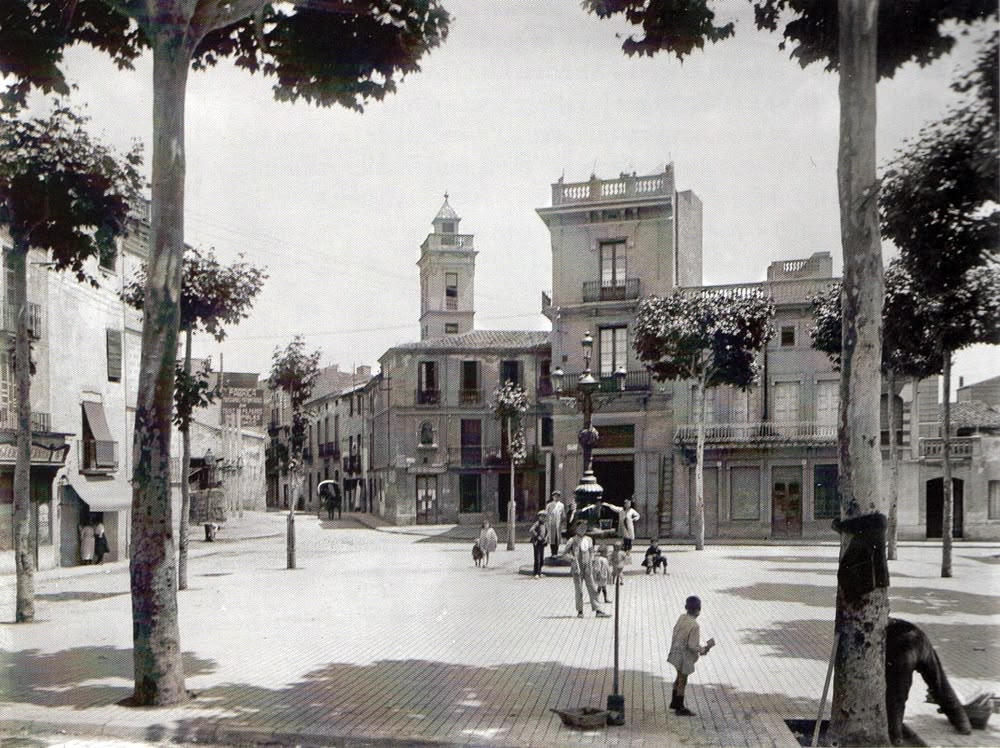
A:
(395, 637)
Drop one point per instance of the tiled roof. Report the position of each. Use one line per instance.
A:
(480, 340)
(974, 414)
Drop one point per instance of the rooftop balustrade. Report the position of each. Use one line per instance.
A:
(769, 432)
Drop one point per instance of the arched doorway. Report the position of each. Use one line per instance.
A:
(935, 507)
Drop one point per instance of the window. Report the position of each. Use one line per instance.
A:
(510, 371)
(114, 350)
(472, 441)
(827, 402)
(709, 405)
(546, 431)
(613, 263)
(470, 392)
(451, 291)
(787, 336)
(427, 383)
(469, 494)
(993, 491)
(451, 328)
(826, 498)
(745, 492)
(746, 405)
(6, 385)
(100, 450)
(786, 402)
(613, 347)
(447, 227)
(426, 434)
(107, 258)
(545, 377)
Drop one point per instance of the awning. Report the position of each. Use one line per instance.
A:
(103, 495)
(97, 422)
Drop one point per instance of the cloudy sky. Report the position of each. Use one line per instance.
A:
(336, 204)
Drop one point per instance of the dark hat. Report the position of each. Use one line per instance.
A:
(692, 603)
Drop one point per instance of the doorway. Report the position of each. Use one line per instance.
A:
(427, 504)
(935, 507)
(786, 502)
(617, 478)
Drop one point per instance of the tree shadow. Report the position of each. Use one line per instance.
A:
(83, 596)
(76, 677)
(423, 702)
(788, 559)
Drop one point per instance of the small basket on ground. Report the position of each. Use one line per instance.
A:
(583, 718)
(979, 710)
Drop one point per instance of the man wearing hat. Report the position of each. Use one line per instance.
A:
(554, 515)
(538, 535)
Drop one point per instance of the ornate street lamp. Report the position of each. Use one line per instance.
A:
(587, 385)
(589, 490)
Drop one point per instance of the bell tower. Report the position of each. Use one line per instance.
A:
(447, 274)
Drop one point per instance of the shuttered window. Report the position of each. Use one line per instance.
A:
(114, 355)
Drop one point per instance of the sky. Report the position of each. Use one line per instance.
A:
(336, 204)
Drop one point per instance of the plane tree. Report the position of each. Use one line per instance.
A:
(861, 40)
(342, 52)
(940, 204)
(907, 352)
(711, 338)
(213, 296)
(68, 194)
(294, 372)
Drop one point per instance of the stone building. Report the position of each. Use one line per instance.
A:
(614, 241)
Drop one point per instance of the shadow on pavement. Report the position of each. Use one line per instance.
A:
(66, 677)
(420, 700)
(80, 596)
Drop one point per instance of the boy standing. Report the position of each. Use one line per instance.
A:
(685, 649)
(539, 535)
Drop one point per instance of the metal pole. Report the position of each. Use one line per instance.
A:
(616, 702)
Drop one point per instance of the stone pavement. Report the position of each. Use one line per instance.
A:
(384, 637)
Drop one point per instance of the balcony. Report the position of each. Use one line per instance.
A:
(470, 397)
(40, 422)
(624, 290)
(352, 464)
(753, 434)
(636, 380)
(428, 397)
(472, 456)
(450, 241)
(962, 448)
(97, 457)
(9, 321)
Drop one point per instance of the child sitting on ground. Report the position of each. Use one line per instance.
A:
(654, 558)
(602, 571)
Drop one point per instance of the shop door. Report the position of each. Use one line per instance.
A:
(617, 478)
(935, 507)
(427, 504)
(786, 502)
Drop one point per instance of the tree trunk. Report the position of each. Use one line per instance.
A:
(858, 715)
(893, 464)
(511, 504)
(184, 527)
(24, 552)
(948, 514)
(159, 673)
(290, 528)
(699, 465)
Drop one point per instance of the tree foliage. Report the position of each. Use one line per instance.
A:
(294, 372)
(715, 335)
(192, 391)
(907, 343)
(213, 295)
(509, 404)
(915, 31)
(63, 191)
(341, 52)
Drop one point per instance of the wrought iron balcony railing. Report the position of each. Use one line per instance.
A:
(40, 422)
(428, 397)
(757, 433)
(470, 397)
(623, 290)
(636, 380)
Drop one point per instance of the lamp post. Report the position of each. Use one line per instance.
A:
(589, 490)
